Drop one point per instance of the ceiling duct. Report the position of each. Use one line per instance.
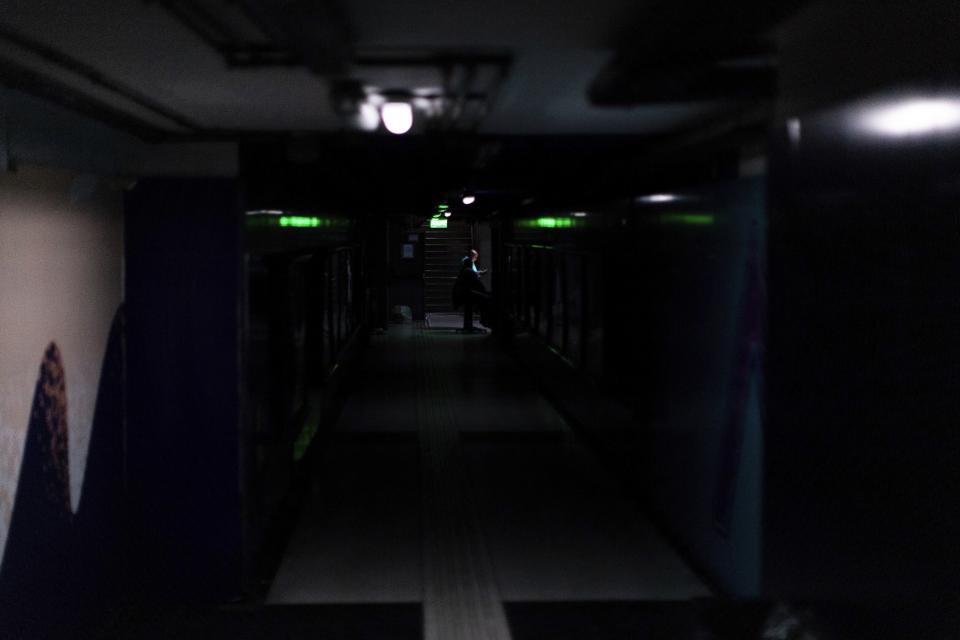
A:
(700, 51)
(316, 31)
(626, 82)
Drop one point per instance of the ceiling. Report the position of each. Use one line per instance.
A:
(525, 67)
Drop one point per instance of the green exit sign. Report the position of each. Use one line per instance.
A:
(438, 223)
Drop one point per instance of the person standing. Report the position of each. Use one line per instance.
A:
(469, 291)
(471, 259)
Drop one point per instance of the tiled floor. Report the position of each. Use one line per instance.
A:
(554, 526)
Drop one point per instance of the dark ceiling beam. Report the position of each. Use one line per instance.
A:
(621, 86)
(295, 29)
(95, 77)
(197, 20)
(316, 31)
(492, 94)
(270, 55)
(19, 77)
(698, 50)
(411, 174)
(696, 28)
(253, 56)
(216, 35)
(383, 57)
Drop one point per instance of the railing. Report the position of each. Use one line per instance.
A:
(303, 307)
(556, 293)
(304, 310)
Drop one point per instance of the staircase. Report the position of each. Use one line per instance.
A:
(445, 249)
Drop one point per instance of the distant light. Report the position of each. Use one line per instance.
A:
(469, 199)
(914, 117)
(368, 117)
(659, 197)
(265, 212)
(696, 219)
(447, 214)
(443, 207)
(397, 117)
(438, 223)
(794, 131)
(579, 214)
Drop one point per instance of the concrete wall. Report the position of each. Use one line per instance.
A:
(63, 483)
(61, 418)
(61, 258)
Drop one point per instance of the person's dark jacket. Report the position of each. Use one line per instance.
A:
(467, 283)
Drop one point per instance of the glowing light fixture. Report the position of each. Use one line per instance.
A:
(368, 117)
(548, 223)
(438, 223)
(659, 197)
(579, 214)
(397, 117)
(794, 131)
(447, 213)
(469, 199)
(272, 219)
(914, 117)
(299, 221)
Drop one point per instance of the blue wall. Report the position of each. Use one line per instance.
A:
(183, 272)
(863, 405)
(702, 454)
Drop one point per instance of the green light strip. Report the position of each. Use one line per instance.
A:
(548, 223)
(696, 219)
(438, 223)
(297, 222)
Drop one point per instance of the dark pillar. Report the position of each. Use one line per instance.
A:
(183, 254)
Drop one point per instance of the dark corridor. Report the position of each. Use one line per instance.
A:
(479, 320)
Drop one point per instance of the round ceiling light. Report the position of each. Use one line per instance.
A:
(397, 117)
(469, 199)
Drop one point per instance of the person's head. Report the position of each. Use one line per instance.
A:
(474, 255)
